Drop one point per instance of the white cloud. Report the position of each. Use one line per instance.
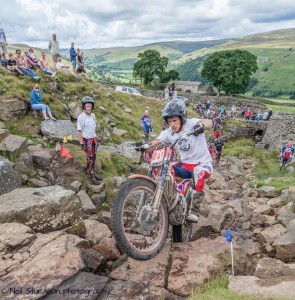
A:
(106, 23)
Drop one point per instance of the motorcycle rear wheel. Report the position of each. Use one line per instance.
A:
(137, 241)
(182, 233)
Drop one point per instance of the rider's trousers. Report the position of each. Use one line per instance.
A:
(200, 172)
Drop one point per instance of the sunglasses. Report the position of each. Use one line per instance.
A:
(17, 52)
(37, 88)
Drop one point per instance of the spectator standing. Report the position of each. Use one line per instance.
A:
(244, 109)
(170, 93)
(3, 41)
(146, 124)
(269, 114)
(233, 110)
(86, 125)
(258, 116)
(166, 93)
(248, 114)
(54, 49)
(208, 105)
(36, 103)
(73, 57)
(219, 146)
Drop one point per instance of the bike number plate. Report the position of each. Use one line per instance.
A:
(157, 157)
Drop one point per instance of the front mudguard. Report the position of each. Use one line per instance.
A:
(151, 180)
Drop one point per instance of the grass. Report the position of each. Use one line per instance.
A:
(267, 169)
(218, 290)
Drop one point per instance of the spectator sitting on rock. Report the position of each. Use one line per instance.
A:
(44, 65)
(3, 60)
(32, 56)
(12, 65)
(61, 66)
(30, 63)
(265, 115)
(36, 103)
(81, 68)
(22, 65)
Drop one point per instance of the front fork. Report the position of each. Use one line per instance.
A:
(159, 191)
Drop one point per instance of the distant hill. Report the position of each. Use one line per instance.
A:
(275, 58)
(274, 51)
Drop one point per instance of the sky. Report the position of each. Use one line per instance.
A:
(116, 23)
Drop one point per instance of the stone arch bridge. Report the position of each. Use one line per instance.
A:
(272, 134)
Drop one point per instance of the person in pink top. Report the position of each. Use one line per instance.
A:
(30, 63)
(44, 65)
(22, 65)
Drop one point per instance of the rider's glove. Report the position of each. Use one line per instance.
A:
(198, 129)
(141, 146)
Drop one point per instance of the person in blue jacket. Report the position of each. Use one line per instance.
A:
(36, 103)
(73, 57)
(146, 124)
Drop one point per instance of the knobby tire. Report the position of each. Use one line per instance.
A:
(117, 216)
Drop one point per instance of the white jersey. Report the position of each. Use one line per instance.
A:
(87, 124)
(192, 149)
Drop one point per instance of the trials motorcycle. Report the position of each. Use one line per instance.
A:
(146, 205)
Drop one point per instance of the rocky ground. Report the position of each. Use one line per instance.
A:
(56, 243)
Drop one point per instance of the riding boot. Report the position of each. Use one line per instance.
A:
(194, 207)
(92, 178)
(96, 176)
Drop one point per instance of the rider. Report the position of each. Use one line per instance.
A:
(193, 150)
(86, 125)
(287, 152)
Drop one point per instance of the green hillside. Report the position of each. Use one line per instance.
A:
(115, 64)
(274, 51)
(275, 58)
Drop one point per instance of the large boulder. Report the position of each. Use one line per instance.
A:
(285, 244)
(195, 263)
(12, 109)
(12, 145)
(75, 110)
(42, 209)
(127, 150)
(252, 285)
(54, 258)
(56, 131)
(9, 178)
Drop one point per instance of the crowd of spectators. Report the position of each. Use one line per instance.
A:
(27, 63)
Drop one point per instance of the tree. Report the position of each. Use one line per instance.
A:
(167, 76)
(230, 70)
(150, 66)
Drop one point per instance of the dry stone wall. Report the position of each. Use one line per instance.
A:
(280, 128)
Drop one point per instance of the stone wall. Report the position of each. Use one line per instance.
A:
(216, 101)
(280, 128)
(248, 130)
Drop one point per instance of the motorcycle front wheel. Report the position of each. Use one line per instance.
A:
(139, 233)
